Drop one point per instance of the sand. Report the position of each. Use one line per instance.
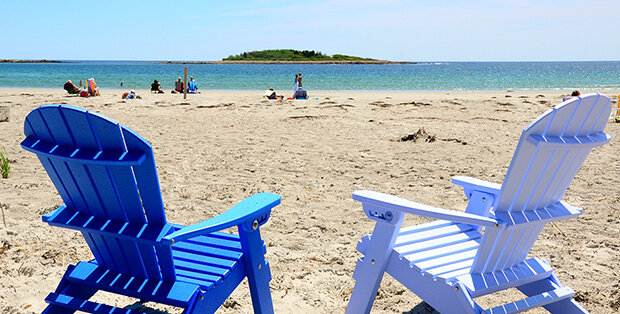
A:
(219, 147)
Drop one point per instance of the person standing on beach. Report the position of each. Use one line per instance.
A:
(296, 86)
(299, 80)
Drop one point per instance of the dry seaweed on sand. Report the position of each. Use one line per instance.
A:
(419, 134)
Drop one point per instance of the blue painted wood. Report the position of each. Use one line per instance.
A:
(66, 217)
(146, 178)
(106, 175)
(256, 268)
(466, 255)
(70, 290)
(83, 156)
(85, 306)
(257, 207)
(168, 292)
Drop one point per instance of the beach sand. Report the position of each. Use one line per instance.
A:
(216, 148)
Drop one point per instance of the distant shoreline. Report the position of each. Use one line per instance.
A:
(30, 61)
(294, 62)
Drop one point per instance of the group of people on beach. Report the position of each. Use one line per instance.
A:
(298, 91)
(192, 86)
(179, 86)
(91, 89)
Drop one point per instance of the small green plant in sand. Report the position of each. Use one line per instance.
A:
(5, 164)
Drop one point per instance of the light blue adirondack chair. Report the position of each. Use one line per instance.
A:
(461, 256)
(106, 176)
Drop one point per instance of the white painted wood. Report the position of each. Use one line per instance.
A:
(437, 243)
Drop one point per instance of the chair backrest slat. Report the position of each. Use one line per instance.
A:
(119, 182)
(146, 178)
(531, 233)
(539, 175)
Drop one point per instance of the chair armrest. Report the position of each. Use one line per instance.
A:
(474, 184)
(399, 204)
(256, 207)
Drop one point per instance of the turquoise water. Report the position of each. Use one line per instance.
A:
(442, 76)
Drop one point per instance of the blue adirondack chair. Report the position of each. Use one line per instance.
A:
(106, 176)
(461, 256)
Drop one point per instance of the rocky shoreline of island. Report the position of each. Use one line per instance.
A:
(291, 62)
(29, 61)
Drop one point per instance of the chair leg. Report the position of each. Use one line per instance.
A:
(369, 270)
(568, 306)
(202, 307)
(257, 270)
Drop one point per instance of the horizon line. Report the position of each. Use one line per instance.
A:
(412, 61)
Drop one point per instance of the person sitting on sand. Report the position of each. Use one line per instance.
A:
(92, 88)
(178, 86)
(156, 87)
(71, 88)
(300, 94)
(271, 94)
(192, 86)
(131, 95)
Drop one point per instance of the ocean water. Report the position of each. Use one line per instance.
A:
(434, 76)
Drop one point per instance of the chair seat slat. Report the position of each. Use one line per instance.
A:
(204, 259)
(201, 250)
(201, 268)
(438, 242)
(432, 234)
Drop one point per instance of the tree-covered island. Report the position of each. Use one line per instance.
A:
(292, 56)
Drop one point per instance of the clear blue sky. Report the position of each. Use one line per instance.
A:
(424, 30)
